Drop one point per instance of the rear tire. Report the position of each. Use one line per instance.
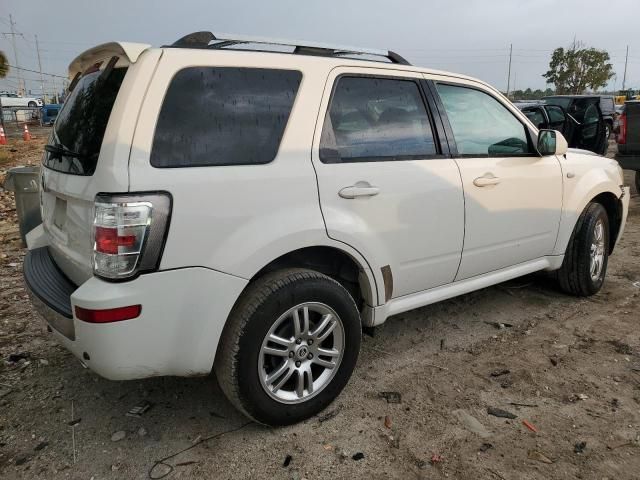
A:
(32, 104)
(585, 262)
(291, 306)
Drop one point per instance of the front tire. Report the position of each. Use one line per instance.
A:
(585, 263)
(289, 347)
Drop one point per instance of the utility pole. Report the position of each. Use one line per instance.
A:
(15, 54)
(44, 99)
(509, 74)
(624, 77)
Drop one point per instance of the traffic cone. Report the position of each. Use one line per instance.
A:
(26, 136)
(3, 138)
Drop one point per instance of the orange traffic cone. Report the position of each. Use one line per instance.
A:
(3, 138)
(26, 136)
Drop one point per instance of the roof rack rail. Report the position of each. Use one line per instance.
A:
(220, 41)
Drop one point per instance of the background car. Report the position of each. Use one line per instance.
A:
(628, 139)
(607, 106)
(15, 100)
(579, 119)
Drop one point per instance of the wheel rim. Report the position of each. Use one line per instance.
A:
(301, 352)
(597, 251)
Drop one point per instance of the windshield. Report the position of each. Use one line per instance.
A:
(81, 123)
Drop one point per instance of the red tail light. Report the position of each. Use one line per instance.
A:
(108, 315)
(622, 126)
(128, 233)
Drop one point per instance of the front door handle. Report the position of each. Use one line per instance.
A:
(486, 180)
(360, 189)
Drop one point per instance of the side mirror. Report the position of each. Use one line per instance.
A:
(551, 142)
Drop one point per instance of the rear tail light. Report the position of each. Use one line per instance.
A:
(622, 129)
(129, 231)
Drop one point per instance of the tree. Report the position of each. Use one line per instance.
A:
(4, 65)
(574, 70)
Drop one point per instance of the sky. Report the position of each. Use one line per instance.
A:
(464, 36)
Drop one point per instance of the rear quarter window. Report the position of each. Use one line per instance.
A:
(215, 116)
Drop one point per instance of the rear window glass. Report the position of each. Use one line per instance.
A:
(223, 116)
(82, 121)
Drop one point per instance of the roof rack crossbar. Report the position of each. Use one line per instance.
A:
(205, 39)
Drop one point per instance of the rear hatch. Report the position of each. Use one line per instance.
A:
(86, 154)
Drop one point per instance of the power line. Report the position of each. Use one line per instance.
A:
(36, 71)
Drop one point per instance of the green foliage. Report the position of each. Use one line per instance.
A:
(4, 65)
(529, 94)
(577, 69)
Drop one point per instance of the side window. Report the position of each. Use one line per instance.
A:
(223, 116)
(556, 115)
(376, 119)
(536, 116)
(481, 124)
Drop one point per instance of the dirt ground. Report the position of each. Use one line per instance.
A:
(568, 367)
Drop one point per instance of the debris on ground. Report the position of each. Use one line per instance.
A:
(530, 426)
(16, 357)
(287, 461)
(579, 447)
(358, 456)
(436, 458)
(539, 456)
(498, 412)
(139, 409)
(391, 397)
(142, 432)
(74, 422)
(499, 325)
(387, 421)
(119, 435)
(485, 446)
(472, 423)
(575, 397)
(499, 373)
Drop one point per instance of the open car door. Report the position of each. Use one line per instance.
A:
(585, 126)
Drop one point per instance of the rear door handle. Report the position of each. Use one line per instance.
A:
(486, 180)
(360, 189)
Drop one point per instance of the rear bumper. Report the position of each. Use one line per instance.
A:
(177, 332)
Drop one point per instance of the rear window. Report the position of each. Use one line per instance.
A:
(82, 121)
(223, 116)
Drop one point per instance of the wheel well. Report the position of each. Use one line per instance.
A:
(331, 262)
(613, 206)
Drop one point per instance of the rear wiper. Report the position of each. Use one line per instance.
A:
(59, 150)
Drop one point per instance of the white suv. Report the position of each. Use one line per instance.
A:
(209, 206)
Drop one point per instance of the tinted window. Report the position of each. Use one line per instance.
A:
(376, 119)
(223, 116)
(481, 124)
(83, 119)
(536, 116)
(556, 115)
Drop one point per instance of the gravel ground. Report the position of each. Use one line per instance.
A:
(568, 367)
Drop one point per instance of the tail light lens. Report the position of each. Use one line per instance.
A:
(622, 129)
(129, 231)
